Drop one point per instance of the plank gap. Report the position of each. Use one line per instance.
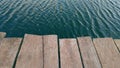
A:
(8, 50)
(80, 53)
(31, 53)
(18, 53)
(107, 52)
(117, 43)
(88, 52)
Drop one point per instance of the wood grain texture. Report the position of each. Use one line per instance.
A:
(69, 54)
(8, 51)
(88, 52)
(31, 53)
(107, 52)
(117, 41)
(50, 51)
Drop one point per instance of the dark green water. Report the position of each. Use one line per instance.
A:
(66, 18)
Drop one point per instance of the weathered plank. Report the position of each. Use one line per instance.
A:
(31, 53)
(107, 52)
(69, 54)
(2, 35)
(8, 51)
(50, 51)
(88, 52)
(117, 41)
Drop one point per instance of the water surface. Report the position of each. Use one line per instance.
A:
(66, 18)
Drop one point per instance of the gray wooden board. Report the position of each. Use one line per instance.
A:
(2, 35)
(69, 54)
(107, 52)
(31, 53)
(88, 52)
(50, 51)
(8, 51)
(117, 41)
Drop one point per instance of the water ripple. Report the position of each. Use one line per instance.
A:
(66, 18)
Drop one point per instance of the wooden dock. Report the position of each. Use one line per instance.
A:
(48, 51)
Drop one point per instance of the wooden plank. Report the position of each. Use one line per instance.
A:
(31, 53)
(50, 51)
(69, 54)
(88, 52)
(2, 35)
(8, 51)
(117, 41)
(107, 52)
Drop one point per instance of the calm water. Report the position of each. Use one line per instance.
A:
(66, 18)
